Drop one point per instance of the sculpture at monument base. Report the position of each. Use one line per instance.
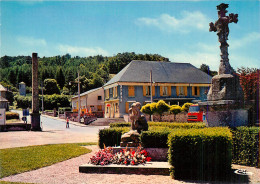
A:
(138, 124)
(224, 106)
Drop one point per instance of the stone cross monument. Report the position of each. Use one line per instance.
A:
(35, 115)
(225, 96)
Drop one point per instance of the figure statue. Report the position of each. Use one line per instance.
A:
(138, 124)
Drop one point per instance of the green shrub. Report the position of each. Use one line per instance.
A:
(246, 146)
(200, 153)
(63, 109)
(12, 115)
(155, 137)
(163, 124)
(23, 101)
(120, 124)
(111, 136)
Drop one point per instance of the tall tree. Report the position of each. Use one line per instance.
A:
(60, 78)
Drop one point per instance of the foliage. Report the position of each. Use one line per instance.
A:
(12, 115)
(246, 146)
(23, 101)
(106, 156)
(205, 68)
(111, 136)
(156, 138)
(18, 160)
(200, 153)
(163, 124)
(63, 109)
(175, 109)
(147, 109)
(51, 87)
(186, 107)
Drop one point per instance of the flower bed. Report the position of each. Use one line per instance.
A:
(125, 156)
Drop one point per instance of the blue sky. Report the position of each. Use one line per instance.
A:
(178, 30)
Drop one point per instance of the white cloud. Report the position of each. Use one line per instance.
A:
(81, 51)
(244, 41)
(188, 21)
(30, 41)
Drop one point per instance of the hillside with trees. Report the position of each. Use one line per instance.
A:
(94, 70)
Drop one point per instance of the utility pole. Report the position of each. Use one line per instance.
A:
(79, 99)
(151, 86)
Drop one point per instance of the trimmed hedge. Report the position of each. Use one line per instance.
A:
(155, 137)
(246, 146)
(111, 136)
(163, 124)
(200, 153)
(11, 115)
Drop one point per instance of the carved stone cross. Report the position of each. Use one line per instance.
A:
(221, 27)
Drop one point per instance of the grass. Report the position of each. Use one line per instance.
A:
(18, 160)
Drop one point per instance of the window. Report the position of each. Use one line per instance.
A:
(131, 91)
(195, 91)
(116, 107)
(148, 90)
(99, 97)
(115, 92)
(181, 90)
(107, 93)
(165, 90)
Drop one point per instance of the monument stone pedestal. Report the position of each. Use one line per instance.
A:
(224, 113)
(35, 119)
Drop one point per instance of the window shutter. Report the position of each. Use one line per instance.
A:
(131, 91)
(161, 90)
(177, 90)
(185, 91)
(144, 91)
(169, 91)
(198, 92)
(126, 107)
(153, 90)
(193, 91)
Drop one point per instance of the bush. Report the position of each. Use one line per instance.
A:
(111, 136)
(63, 109)
(246, 146)
(200, 153)
(23, 101)
(155, 137)
(12, 115)
(186, 107)
(120, 124)
(163, 124)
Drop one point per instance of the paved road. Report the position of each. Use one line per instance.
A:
(54, 132)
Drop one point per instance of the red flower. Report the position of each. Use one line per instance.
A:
(133, 153)
(133, 162)
(148, 159)
(144, 152)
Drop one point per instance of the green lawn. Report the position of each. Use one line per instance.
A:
(18, 160)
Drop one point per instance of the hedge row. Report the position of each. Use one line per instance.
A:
(49, 101)
(200, 153)
(246, 146)
(11, 115)
(111, 136)
(163, 124)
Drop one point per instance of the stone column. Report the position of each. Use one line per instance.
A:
(35, 115)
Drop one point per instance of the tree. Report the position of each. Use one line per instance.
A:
(186, 107)
(12, 77)
(97, 81)
(161, 107)
(175, 109)
(147, 109)
(205, 68)
(60, 78)
(51, 87)
(249, 81)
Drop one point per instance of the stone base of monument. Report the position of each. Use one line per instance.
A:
(36, 122)
(129, 144)
(224, 113)
(150, 168)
